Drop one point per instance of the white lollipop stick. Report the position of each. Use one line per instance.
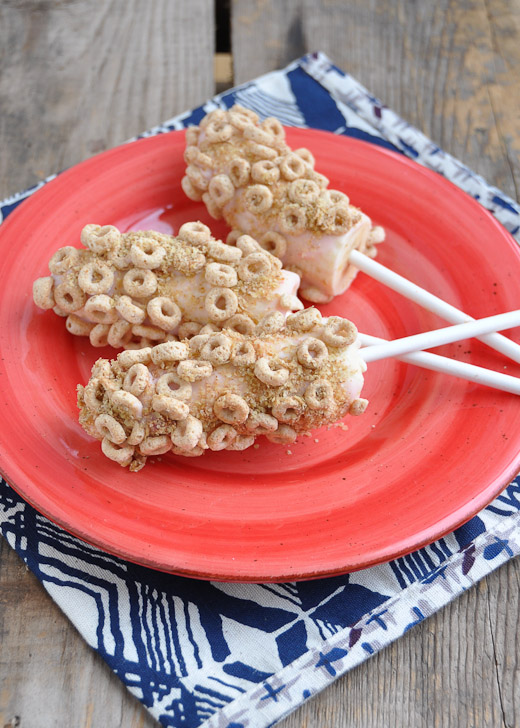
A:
(437, 337)
(430, 302)
(461, 369)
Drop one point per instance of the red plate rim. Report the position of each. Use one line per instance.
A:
(36, 204)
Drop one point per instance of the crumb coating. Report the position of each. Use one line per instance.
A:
(244, 172)
(137, 289)
(221, 390)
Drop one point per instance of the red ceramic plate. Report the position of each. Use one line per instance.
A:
(430, 451)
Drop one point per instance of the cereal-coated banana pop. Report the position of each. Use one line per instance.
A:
(245, 172)
(137, 289)
(221, 390)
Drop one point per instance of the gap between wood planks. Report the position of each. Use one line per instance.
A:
(223, 59)
(223, 71)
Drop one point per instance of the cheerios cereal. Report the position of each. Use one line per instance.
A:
(245, 172)
(131, 290)
(221, 390)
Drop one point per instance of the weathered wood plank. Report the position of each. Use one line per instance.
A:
(449, 67)
(80, 77)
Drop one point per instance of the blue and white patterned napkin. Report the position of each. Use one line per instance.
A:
(245, 655)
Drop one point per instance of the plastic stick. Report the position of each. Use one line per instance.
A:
(430, 302)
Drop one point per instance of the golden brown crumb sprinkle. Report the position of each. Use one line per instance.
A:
(203, 393)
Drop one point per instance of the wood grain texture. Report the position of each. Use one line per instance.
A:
(451, 67)
(79, 77)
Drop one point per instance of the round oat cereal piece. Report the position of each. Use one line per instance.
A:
(303, 191)
(171, 407)
(254, 266)
(119, 334)
(63, 260)
(195, 233)
(192, 370)
(272, 323)
(292, 166)
(245, 243)
(220, 304)
(304, 320)
(260, 423)
(127, 359)
(121, 455)
(293, 218)
(127, 402)
(241, 442)
(187, 433)
(217, 349)
(288, 409)
(244, 354)
(171, 385)
(150, 333)
(274, 243)
(188, 329)
(258, 199)
(221, 437)
(231, 409)
(306, 155)
(139, 283)
(107, 426)
(164, 313)
(273, 127)
(223, 253)
(239, 171)
(158, 445)
(69, 296)
(137, 379)
(100, 239)
(170, 351)
(319, 395)
(284, 435)
(129, 310)
(43, 295)
(339, 332)
(78, 326)
(265, 172)
(189, 189)
(147, 253)
(218, 131)
(99, 335)
(100, 309)
(221, 189)
(221, 274)
(271, 372)
(96, 277)
(137, 435)
(241, 323)
(312, 353)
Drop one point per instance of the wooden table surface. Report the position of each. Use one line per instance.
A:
(80, 76)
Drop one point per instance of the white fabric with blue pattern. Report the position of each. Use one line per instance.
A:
(245, 655)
